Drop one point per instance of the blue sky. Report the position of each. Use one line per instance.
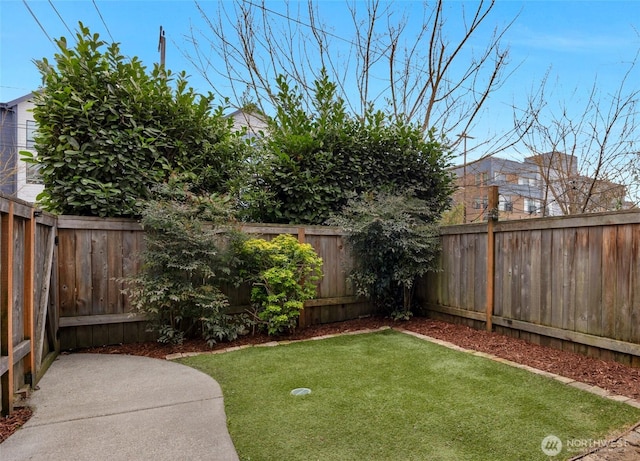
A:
(577, 42)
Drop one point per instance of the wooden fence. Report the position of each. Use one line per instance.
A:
(28, 322)
(571, 283)
(95, 252)
(568, 282)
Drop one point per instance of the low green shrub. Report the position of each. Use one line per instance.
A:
(283, 274)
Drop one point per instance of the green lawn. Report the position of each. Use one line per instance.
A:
(390, 396)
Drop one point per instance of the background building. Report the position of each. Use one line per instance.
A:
(542, 185)
(17, 128)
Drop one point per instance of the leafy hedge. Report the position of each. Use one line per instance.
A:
(108, 131)
(316, 159)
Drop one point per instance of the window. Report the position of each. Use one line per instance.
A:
(31, 130)
(33, 171)
(530, 206)
(482, 179)
(480, 203)
(505, 203)
(499, 177)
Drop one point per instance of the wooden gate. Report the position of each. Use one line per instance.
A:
(28, 326)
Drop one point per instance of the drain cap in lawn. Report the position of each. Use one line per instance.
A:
(301, 391)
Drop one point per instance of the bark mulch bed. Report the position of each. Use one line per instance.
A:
(615, 377)
(10, 424)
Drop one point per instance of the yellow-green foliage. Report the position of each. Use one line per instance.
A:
(284, 274)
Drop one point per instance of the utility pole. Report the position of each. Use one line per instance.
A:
(161, 47)
(464, 136)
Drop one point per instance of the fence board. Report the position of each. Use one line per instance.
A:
(582, 262)
(511, 273)
(480, 274)
(455, 276)
(535, 280)
(83, 292)
(609, 257)
(67, 283)
(6, 309)
(501, 275)
(634, 315)
(623, 283)
(99, 289)
(594, 299)
(468, 269)
(19, 307)
(114, 301)
(546, 277)
(45, 253)
(569, 287)
(525, 261)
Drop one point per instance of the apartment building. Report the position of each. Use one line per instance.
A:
(542, 185)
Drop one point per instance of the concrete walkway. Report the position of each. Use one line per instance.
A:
(115, 407)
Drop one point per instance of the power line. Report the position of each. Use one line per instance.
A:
(13, 87)
(65, 24)
(36, 19)
(297, 21)
(102, 19)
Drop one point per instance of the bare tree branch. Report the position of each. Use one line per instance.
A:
(425, 71)
(588, 160)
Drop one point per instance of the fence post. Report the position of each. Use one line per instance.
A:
(29, 295)
(6, 310)
(302, 319)
(492, 217)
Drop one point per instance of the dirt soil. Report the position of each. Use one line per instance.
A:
(613, 376)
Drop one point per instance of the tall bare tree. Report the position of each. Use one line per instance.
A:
(587, 160)
(422, 67)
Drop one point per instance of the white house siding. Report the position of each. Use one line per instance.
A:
(25, 191)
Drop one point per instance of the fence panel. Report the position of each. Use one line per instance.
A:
(459, 287)
(570, 282)
(95, 252)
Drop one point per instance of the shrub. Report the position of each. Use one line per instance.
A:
(184, 264)
(109, 130)
(283, 274)
(394, 240)
(317, 158)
